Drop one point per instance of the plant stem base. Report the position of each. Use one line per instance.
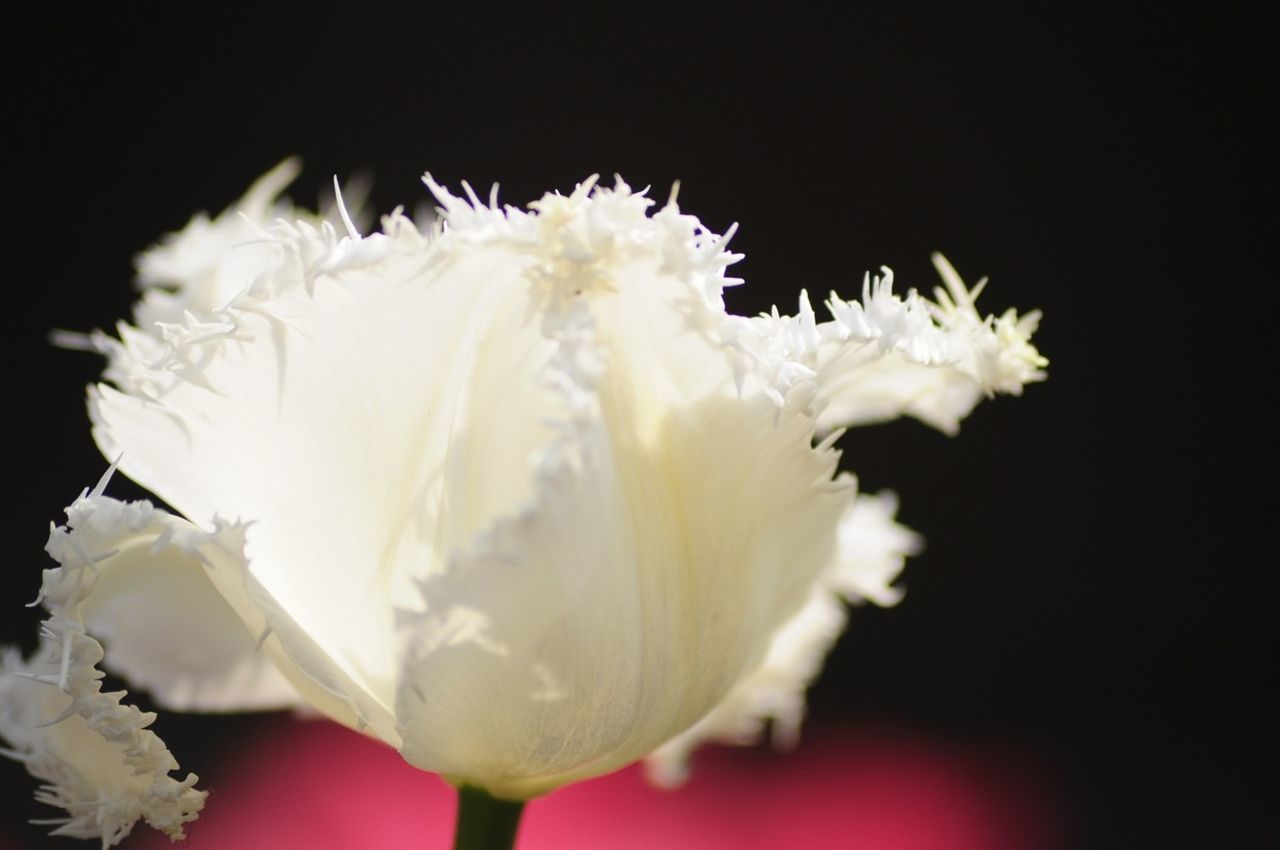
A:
(484, 821)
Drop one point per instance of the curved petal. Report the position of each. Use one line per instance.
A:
(623, 605)
(327, 408)
(888, 356)
(676, 525)
(164, 625)
(871, 551)
(95, 754)
(936, 361)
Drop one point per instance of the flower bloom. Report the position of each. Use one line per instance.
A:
(514, 494)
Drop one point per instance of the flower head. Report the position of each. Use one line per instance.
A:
(514, 494)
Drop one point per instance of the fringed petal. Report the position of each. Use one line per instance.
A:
(95, 754)
(199, 269)
(328, 405)
(163, 623)
(190, 276)
(888, 356)
(675, 525)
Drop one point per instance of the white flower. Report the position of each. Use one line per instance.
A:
(516, 496)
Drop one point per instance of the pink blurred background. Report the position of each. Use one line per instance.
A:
(316, 785)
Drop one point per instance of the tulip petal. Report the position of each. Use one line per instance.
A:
(888, 356)
(95, 754)
(327, 406)
(935, 360)
(165, 626)
(677, 524)
(193, 274)
(526, 666)
(872, 549)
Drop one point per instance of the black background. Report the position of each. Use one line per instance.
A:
(1098, 573)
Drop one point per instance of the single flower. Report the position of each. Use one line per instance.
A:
(514, 494)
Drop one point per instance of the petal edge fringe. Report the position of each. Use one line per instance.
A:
(93, 752)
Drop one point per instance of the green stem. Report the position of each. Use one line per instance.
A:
(485, 822)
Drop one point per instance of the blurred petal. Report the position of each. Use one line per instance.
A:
(872, 551)
(199, 269)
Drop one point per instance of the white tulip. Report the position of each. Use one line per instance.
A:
(515, 495)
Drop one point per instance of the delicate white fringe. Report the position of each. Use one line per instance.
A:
(94, 753)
